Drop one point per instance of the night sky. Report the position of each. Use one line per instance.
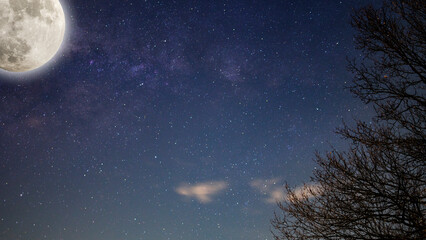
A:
(173, 119)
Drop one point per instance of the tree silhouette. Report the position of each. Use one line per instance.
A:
(377, 188)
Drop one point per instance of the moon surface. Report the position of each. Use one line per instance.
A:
(31, 33)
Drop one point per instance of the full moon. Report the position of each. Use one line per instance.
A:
(31, 33)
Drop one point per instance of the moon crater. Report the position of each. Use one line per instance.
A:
(31, 33)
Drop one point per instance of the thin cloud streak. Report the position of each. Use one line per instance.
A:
(306, 191)
(203, 192)
(274, 191)
(271, 188)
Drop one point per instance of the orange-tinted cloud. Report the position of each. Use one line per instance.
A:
(271, 188)
(203, 192)
(274, 191)
(306, 191)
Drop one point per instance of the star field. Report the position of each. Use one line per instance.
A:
(174, 119)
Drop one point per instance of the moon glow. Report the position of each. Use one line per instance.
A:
(31, 33)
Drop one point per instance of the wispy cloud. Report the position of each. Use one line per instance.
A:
(203, 192)
(271, 188)
(306, 191)
(274, 192)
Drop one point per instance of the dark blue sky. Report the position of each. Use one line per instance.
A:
(173, 119)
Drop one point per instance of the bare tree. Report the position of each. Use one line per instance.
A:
(377, 188)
